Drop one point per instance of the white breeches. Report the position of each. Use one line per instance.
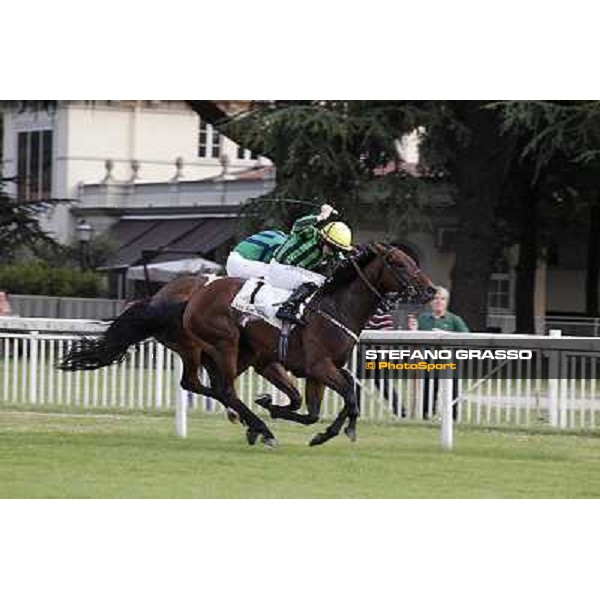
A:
(238, 266)
(288, 277)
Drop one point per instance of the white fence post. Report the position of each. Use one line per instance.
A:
(553, 383)
(445, 400)
(181, 403)
(33, 366)
(159, 367)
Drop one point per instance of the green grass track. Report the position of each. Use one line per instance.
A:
(47, 455)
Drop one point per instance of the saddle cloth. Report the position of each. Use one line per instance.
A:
(261, 300)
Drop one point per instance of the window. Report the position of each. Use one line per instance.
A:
(244, 154)
(34, 164)
(209, 141)
(500, 292)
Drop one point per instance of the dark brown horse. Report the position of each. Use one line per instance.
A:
(318, 351)
(161, 317)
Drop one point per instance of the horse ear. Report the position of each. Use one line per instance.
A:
(379, 248)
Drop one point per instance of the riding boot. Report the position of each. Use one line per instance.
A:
(288, 311)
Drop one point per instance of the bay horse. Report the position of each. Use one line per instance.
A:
(160, 317)
(318, 350)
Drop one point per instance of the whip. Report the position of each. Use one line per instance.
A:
(293, 201)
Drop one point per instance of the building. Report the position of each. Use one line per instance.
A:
(150, 173)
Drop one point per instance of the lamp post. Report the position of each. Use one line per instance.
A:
(84, 235)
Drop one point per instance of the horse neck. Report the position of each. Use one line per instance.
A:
(354, 303)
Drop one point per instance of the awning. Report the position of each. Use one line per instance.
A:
(167, 271)
(170, 238)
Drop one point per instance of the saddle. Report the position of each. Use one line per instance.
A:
(260, 300)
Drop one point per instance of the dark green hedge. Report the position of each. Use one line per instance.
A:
(39, 279)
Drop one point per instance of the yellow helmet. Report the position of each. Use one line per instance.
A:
(338, 234)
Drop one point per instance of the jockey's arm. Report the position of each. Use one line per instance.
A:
(303, 224)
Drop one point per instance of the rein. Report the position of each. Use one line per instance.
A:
(380, 297)
(337, 323)
(365, 280)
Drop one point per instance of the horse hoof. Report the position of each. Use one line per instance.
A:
(351, 433)
(252, 436)
(233, 417)
(270, 442)
(318, 439)
(264, 400)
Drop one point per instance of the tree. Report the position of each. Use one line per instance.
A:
(564, 147)
(20, 226)
(467, 141)
(332, 150)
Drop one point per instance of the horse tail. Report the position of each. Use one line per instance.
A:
(139, 322)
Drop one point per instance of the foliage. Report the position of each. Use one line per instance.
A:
(555, 128)
(561, 154)
(20, 226)
(101, 250)
(330, 151)
(36, 277)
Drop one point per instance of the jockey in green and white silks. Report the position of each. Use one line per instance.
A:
(251, 257)
(312, 247)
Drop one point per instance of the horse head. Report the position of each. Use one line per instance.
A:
(400, 275)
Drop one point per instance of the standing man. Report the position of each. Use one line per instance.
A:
(440, 318)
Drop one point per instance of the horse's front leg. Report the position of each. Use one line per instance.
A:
(275, 373)
(350, 430)
(225, 361)
(339, 382)
(314, 396)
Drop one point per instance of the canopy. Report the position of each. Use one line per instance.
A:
(166, 271)
(170, 238)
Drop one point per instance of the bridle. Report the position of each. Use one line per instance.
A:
(386, 265)
(380, 297)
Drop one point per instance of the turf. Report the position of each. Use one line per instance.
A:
(137, 456)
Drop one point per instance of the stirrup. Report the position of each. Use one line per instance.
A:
(285, 314)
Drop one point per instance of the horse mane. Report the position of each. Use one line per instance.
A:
(345, 271)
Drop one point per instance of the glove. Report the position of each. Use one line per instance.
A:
(326, 211)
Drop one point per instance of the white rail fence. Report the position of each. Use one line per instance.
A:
(558, 388)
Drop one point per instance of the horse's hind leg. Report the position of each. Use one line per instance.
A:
(189, 380)
(216, 382)
(189, 376)
(225, 359)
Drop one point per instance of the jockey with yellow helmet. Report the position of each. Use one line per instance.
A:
(313, 247)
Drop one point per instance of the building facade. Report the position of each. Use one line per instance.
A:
(60, 150)
(151, 174)
(156, 177)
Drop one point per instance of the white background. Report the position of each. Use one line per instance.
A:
(299, 549)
